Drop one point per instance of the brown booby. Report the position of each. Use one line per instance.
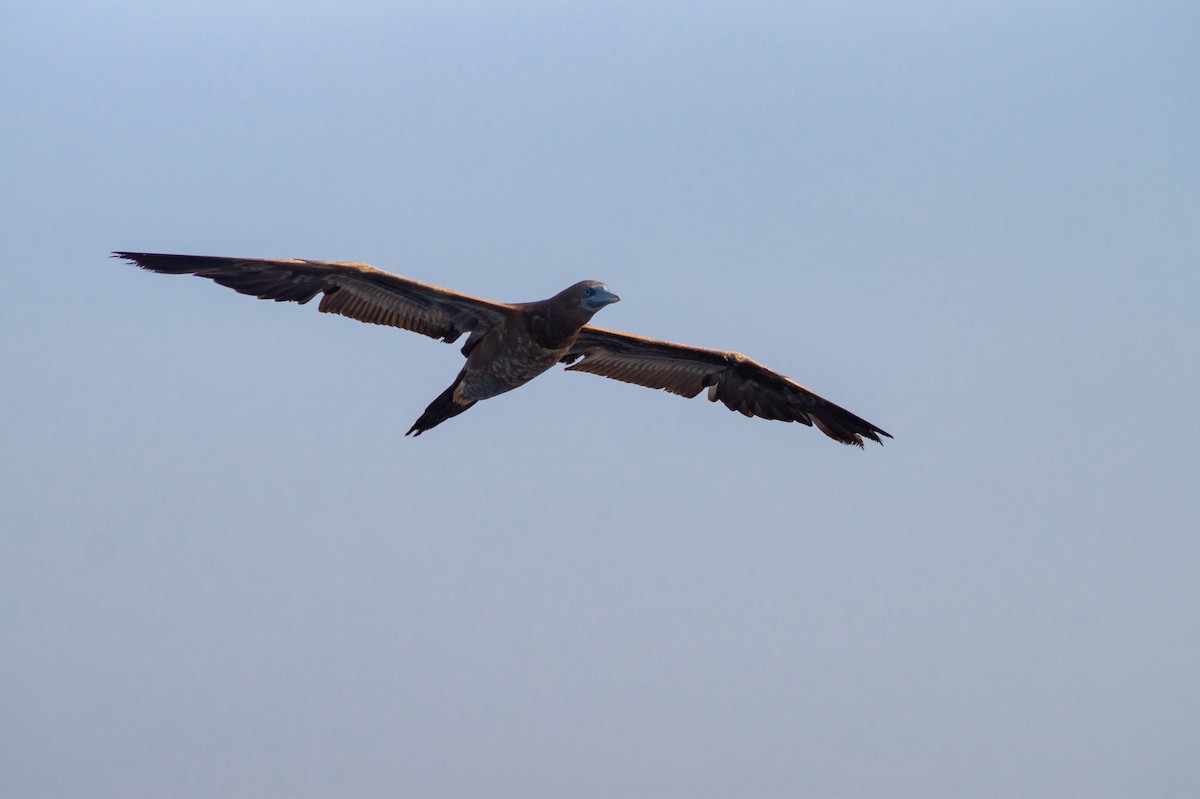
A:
(509, 344)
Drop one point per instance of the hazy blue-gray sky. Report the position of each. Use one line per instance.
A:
(224, 572)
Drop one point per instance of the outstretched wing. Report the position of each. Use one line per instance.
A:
(742, 384)
(355, 290)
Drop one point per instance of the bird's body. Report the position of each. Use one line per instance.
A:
(510, 344)
(526, 341)
(532, 338)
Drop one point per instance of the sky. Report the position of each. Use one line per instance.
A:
(225, 572)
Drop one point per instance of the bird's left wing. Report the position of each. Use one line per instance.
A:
(355, 290)
(742, 384)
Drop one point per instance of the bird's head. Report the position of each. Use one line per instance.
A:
(593, 295)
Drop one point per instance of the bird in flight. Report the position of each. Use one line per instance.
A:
(509, 344)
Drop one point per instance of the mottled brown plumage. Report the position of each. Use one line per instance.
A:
(510, 344)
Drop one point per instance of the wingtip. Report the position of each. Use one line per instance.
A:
(136, 258)
(874, 434)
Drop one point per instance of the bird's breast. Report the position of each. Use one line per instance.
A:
(506, 368)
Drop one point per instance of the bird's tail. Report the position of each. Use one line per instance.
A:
(444, 407)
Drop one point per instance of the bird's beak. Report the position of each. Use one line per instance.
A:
(601, 298)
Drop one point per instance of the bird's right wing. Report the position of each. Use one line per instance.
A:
(742, 384)
(355, 290)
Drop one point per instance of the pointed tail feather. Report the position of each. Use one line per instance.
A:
(441, 409)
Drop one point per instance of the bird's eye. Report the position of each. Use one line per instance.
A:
(589, 291)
